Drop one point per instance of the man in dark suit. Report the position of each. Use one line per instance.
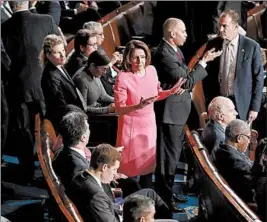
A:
(240, 70)
(6, 11)
(221, 111)
(87, 188)
(84, 45)
(172, 113)
(79, 13)
(231, 161)
(5, 67)
(23, 45)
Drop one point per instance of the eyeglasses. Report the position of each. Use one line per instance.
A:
(93, 45)
(249, 137)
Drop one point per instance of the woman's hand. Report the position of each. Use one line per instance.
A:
(111, 108)
(119, 176)
(176, 89)
(145, 102)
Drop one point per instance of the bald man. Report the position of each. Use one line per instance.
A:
(231, 161)
(221, 111)
(173, 112)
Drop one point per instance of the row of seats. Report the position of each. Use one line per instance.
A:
(217, 201)
(120, 26)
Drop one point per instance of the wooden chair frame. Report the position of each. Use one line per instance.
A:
(43, 142)
(199, 151)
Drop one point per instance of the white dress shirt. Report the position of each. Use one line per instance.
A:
(228, 67)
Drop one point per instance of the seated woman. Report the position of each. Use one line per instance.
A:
(58, 87)
(88, 82)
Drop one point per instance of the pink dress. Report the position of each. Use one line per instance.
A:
(137, 130)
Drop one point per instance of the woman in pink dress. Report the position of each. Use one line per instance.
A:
(135, 92)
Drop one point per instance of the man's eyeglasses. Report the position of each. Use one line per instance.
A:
(92, 45)
(249, 137)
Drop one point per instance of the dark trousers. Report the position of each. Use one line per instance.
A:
(4, 118)
(24, 123)
(169, 147)
(162, 210)
(146, 181)
(128, 186)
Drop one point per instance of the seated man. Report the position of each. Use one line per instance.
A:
(231, 161)
(138, 208)
(107, 80)
(87, 193)
(221, 111)
(84, 45)
(72, 158)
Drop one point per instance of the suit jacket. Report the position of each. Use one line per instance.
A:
(249, 76)
(51, 8)
(235, 167)
(76, 61)
(212, 134)
(59, 91)
(92, 202)
(23, 45)
(67, 163)
(175, 109)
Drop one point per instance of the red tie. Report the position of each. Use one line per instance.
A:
(179, 56)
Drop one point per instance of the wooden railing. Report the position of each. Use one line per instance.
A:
(220, 201)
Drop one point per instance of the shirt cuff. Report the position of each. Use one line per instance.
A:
(32, 8)
(203, 64)
(75, 11)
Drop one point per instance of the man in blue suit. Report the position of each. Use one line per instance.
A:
(221, 112)
(240, 75)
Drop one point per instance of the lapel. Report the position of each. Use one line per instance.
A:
(74, 153)
(172, 52)
(241, 54)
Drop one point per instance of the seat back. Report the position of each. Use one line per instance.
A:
(43, 142)
(254, 24)
(217, 201)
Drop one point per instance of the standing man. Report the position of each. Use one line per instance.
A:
(23, 45)
(240, 74)
(172, 113)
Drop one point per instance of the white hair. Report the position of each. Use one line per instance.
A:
(17, 5)
(92, 26)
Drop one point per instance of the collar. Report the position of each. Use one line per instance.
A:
(85, 58)
(21, 10)
(234, 42)
(79, 151)
(174, 48)
(97, 179)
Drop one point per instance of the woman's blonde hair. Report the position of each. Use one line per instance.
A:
(130, 47)
(50, 41)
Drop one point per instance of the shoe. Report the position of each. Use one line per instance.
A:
(180, 198)
(176, 209)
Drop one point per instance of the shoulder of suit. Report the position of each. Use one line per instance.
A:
(248, 40)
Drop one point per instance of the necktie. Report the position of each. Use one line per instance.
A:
(179, 56)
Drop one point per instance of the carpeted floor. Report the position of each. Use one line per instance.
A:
(21, 202)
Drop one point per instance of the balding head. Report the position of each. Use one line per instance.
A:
(222, 110)
(174, 31)
(237, 134)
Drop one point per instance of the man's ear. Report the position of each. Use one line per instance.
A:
(142, 219)
(83, 137)
(239, 138)
(172, 34)
(82, 48)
